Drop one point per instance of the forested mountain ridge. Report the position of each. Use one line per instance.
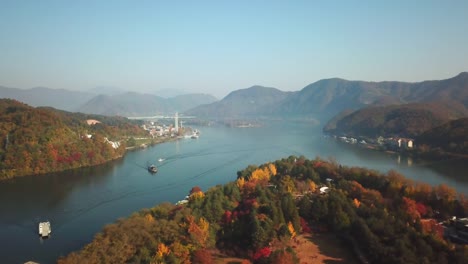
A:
(450, 137)
(250, 102)
(42, 140)
(328, 97)
(407, 120)
(321, 100)
(383, 218)
(331, 96)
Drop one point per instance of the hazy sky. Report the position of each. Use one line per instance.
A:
(219, 46)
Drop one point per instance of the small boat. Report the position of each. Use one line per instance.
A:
(194, 136)
(160, 159)
(44, 229)
(152, 169)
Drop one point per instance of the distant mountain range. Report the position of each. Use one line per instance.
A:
(321, 100)
(136, 104)
(41, 96)
(106, 100)
(327, 98)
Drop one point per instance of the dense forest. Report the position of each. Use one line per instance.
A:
(382, 218)
(41, 140)
(451, 137)
(407, 120)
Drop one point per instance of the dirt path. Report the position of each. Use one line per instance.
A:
(321, 248)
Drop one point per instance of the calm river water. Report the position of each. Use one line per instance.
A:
(79, 203)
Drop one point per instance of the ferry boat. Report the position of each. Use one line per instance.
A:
(44, 229)
(152, 169)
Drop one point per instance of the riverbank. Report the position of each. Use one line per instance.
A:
(143, 143)
(415, 152)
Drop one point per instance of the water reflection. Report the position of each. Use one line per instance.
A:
(36, 197)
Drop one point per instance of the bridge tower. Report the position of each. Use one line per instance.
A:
(176, 125)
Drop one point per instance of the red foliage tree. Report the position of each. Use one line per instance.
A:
(227, 217)
(409, 205)
(421, 208)
(262, 253)
(305, 226)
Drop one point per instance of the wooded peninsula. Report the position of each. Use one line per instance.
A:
(43, 140)
(380, 218)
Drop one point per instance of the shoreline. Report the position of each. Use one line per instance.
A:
(431, 155)
(134, 148)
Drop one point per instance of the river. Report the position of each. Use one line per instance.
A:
(79, 203)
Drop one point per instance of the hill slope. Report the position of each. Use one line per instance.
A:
(326, 98)
(407, 120)
(252, 101)
(42, 140)
(262, 215)
(450, 137)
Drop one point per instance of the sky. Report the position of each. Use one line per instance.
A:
(219, 46)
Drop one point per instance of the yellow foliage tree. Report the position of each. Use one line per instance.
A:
(240, 183)
(200, 231)
(149, 218)
(196, 195)
(356, 202)
(163, 250)
(312, 185)
(291, 230)
(260, 174)
(272, 168)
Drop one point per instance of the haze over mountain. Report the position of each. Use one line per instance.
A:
(107, 100)
(42, 96)
(326, 98)
(321, 100)
(135, 104)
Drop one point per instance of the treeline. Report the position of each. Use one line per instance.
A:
(42, 140)
(384, 217)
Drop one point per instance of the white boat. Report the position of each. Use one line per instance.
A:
(160, 159)
(44, 229)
